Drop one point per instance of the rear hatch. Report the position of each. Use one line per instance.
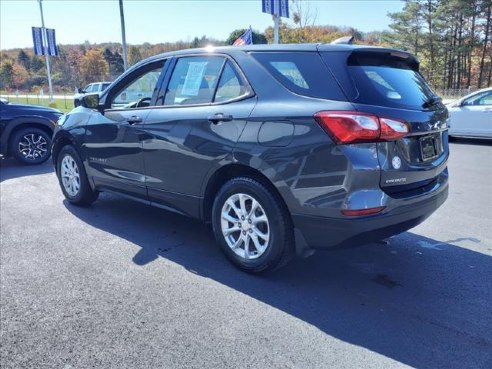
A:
(387, 84)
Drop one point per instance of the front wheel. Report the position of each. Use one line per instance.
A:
(73, 178)
(31, 146)
(252, 226)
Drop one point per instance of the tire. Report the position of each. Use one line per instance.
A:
(269, 242)
(73, 178)
(30, 146)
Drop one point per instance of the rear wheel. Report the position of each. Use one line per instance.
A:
(30, 146)
(251, 225)
(73, 178)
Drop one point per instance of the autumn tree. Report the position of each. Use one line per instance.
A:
(19, 75)
(6, 74)
(134, 55)
(24, 59)
(304, 17)
(93, 66)
(115, 62)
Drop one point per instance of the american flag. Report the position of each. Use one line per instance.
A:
(245, 39)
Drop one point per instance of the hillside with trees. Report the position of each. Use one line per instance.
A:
(452, 39)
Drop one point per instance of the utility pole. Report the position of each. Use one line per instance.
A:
(123, 37)
(276, 19)
(46, 50)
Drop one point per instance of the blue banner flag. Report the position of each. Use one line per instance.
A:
(283, 8)
(52, 49)
(276, 7)
(267, 6)
(245, 39)
(37, 38)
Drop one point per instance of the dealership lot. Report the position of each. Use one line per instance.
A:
(121, 284)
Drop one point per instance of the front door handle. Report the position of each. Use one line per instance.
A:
(220, 117)
(134, 119)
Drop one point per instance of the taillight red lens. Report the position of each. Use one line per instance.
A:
(352, 127)
(393, 129)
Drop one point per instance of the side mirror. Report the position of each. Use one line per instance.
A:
(90, 101)
(80, 91)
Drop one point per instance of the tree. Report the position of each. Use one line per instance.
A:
(258, 38)
(24, 60)
(304, 18)
(134, 55)
(93, 67)
(115, 62)
(450, 37)
(6, 74)
(36, 63)
(407, 28)
(19, 75)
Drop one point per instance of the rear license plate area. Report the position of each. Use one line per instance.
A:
(428, 148)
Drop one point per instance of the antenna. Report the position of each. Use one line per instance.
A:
(346, 40)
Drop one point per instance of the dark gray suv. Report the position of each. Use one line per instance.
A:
(283, 149)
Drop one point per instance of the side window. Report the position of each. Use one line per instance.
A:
(193, 80)
(303, 73)
(138, 91)
(230, 85)
(88, 88)
(484, 98)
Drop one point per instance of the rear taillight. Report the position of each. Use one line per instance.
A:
(352, 127)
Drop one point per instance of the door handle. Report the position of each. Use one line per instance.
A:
(134, 119)
(220, 117)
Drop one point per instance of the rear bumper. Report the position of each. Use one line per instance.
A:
(399, 216)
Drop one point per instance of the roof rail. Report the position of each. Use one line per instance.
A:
(347, 40)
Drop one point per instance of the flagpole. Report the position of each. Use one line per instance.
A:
(44, 40)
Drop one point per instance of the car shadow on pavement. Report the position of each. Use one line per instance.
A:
(471, 141)
(418, 301)
(10, 168)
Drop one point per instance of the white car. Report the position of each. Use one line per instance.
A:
(471, 116)
(90, 88)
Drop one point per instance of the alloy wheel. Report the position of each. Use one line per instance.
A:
(33, 146)
(245, 226)
(69, 172)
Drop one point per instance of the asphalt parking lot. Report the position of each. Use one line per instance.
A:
(123, 285)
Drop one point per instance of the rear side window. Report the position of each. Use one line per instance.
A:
(230, 85)
(388, 81)
(193, 80)
(301, 72)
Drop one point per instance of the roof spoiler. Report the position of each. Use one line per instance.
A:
(346, 40)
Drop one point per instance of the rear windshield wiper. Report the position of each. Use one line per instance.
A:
(433, 100)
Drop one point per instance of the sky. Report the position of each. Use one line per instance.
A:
(156, 21)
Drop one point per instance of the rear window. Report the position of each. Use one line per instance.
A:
(388, 81)
(303, 73)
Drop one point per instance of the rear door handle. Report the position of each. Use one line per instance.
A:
(220, 117)
(134, 119)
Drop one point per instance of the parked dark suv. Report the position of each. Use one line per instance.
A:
(283, 149)
(26, 130)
